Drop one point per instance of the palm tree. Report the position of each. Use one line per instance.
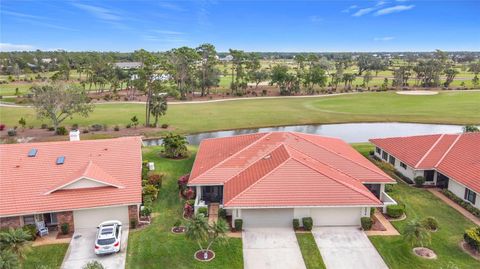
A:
(15, 240)
(158, 107)
(200, 231)
(416, 233)
(8, 260)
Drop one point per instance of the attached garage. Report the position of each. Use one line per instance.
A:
(258, 218)
(90, 218)
(337, 216)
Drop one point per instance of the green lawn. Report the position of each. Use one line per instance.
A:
(311, 254)
(446, 107)
(156, 246)
(48, 256)
(420, 203)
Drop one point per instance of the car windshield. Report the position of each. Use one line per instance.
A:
(107, 231)
(108, 241)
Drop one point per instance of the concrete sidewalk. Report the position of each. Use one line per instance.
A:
(457, 207)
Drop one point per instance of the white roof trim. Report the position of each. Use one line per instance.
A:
(84, 177)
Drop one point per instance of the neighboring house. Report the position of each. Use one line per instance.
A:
(81, 183)
(128, 65)
(445, 160)
(268, 179)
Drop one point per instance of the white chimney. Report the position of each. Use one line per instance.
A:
(74, 135)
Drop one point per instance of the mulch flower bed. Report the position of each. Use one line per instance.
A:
(179, 230)
(199, 256)
(404, 216)
(425, 253)
(468, 249)
(61, 235)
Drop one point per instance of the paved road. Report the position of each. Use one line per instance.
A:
(347, 247)
(275, 248)
(81, 252)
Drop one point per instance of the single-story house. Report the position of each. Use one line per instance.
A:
(81, 183)
(268, 179)
(128, 65)
(445, 160)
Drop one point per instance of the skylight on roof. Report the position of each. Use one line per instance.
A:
(61, 160)
(32, 153)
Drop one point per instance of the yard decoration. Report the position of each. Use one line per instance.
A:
(418, 234)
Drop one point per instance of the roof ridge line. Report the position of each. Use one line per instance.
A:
(260, 179)
(430, 150)
(226, 159)
(350, 160)
(448, 150)
(362, 192)
(239, 172)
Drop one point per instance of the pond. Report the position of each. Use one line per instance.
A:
(349, 132)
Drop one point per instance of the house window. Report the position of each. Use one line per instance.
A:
(403, 165)
(29, 219)
(378, 150)
(384, 155)
(470, 196)
(391, 160)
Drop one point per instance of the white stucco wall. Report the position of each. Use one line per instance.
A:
(459, 190)
(408, 172)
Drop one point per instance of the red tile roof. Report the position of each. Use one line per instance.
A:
(34, 184)
(286, 169)
(454, 155)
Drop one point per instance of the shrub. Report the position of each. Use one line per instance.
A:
(128, 126)
(190, 202)
(307, 223)
(85, 131)
(182, 181)
(189, 193)
(11, 132)
(93, 265)
(146, 210)
(188, 210)
(65, 228)
(2, 127)
(395, 211)
(203, 210)
(155, 179)
(431, 223)
(177, 223)
(402, 177)
(116, 128)
(222, 213)
(61, 131)
(388, 187)
(372, 211)
(238, 225)
(472, 237)
(164, 126)
(366, 223)
(150, 190)
(175, 146)
(31, 229)
(296, 224)
(96, 127)
(75, 126)
(419, 181)
(51, 129)
(133, 223)
(44, 126)
(469, 207)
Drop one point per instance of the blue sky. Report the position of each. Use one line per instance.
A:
(390, 25)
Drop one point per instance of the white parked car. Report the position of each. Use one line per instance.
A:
(109, 237)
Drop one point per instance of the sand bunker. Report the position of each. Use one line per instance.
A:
(417, 92)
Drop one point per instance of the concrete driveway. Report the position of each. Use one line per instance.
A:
(347, 247)
(81, 252)
(275, 248)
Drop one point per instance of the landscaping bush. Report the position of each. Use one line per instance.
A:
(419, 181)
(150, 190)
(164, 126)
(366, 223)
(189, 193)
(388, 187)
(2, 127)
(307, 223)
(431, 223)
(31, 229)
(116, 128)
(402, 177)
(146, 210)
(395, 211)
(61, 131)
(74, 126)
(51, 129)
(222, 213)
(188, 210)
(190, 202)
(472, 237)
(203, 210)
(177, 223)
(11, 132)
(372, 211)
(238, 225)
(65, 228)
(296, 224)
(96, 127)
(93, 265)
(469, 207)
(133, 223)
(155, 179)
(182, 181)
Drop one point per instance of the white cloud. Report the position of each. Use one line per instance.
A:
(394, 9)
(385, 38)
(168, 32)
(350, 8)
(15, 47)
(363, 11)
(99, 12)
(21, 15)
(171, 6)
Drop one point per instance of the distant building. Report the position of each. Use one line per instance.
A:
(227, 58)
(128, 65)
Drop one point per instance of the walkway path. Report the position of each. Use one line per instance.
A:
(389, 229)
(213, 212)
(457, 207)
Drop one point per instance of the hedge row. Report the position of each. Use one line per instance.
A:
(469, 207)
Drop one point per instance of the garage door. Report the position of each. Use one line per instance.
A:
(336, 216)
(90, 218)
(267, 218)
